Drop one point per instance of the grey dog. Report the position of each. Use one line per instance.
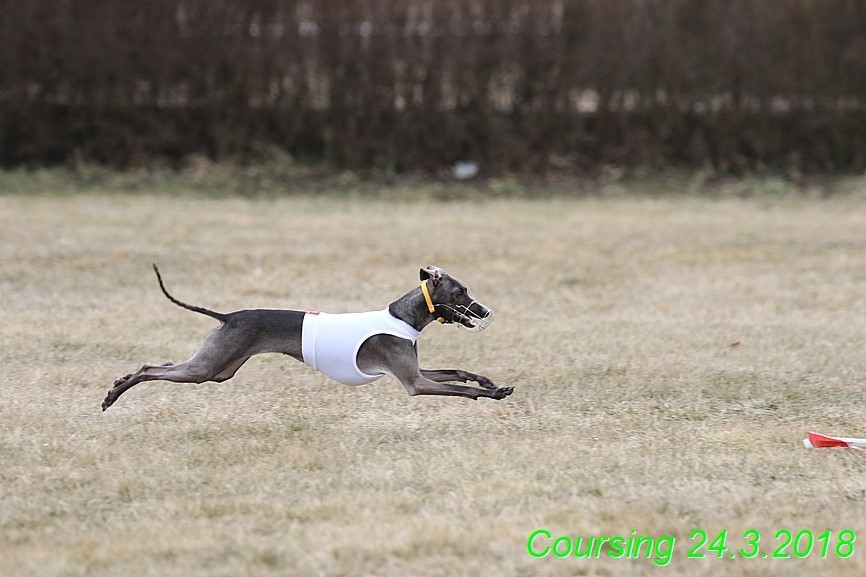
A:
(352, 348)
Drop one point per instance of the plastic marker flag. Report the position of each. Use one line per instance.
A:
(816, 441)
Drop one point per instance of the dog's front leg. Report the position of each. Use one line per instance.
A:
(423, 386)
(446, 375)
(398, 357)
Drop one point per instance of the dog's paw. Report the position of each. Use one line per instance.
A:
(502, 392)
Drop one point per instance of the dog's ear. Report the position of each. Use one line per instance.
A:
(432, 272)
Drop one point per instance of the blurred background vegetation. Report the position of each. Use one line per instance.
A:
(728, 87)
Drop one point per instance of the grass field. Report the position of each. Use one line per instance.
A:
(669, 355)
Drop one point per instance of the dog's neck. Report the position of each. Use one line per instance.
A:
(411, 308)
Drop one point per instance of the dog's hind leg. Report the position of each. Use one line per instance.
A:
(210, 363)
(145, 373)
(191, 371)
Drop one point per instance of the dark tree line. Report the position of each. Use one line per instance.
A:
(418, 84)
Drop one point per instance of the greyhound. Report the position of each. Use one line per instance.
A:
(351, 348)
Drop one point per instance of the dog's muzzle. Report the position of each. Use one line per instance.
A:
(473, 317)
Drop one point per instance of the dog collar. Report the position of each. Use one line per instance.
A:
(430, 306)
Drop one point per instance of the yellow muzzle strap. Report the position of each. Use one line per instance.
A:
(430, 306)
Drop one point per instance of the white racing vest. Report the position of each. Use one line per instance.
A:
(330, 342)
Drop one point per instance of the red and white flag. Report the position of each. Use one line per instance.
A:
(816, 441)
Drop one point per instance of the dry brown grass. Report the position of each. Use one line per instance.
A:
(618, 323)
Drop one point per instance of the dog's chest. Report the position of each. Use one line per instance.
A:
(330, 342)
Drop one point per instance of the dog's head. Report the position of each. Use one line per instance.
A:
(449, 300)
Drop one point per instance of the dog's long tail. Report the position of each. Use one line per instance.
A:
(218, 316)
